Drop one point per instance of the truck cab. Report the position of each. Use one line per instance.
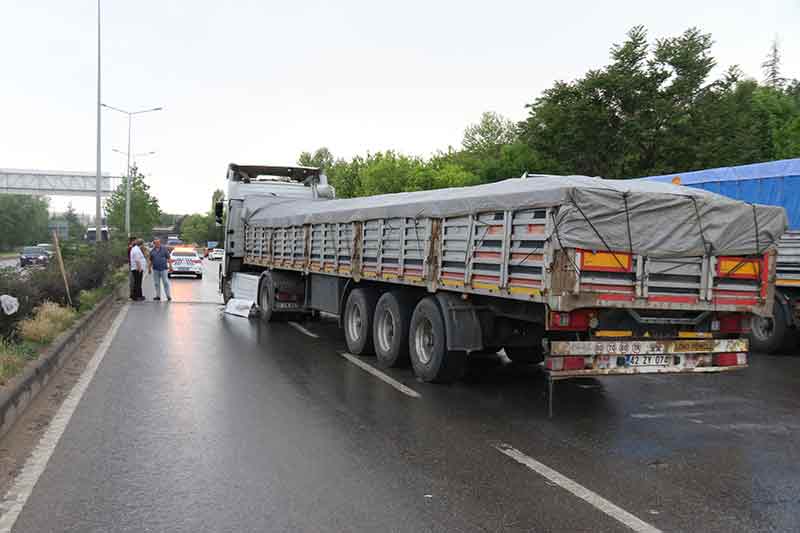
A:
(280, 182)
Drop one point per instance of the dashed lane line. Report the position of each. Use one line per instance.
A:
(303, 330)
(408, 391)
(597, 501)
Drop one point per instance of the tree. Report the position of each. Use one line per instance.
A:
(489, 134)
(321, 158)
(75, 229)
(772, 66)
(23, 220)
(145, 212)
(194, 229)
(652, 110)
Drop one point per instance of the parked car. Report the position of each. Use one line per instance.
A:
(186, 262)
(33, 255)
(217, 254)
(47, 248)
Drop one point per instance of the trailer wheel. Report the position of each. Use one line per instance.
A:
(266, 299)
(769, 335)
(358, 314)
(428, 345)
(390, 328)
(524, 354)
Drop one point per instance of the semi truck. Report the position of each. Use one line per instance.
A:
(774, 183)
(586, 276)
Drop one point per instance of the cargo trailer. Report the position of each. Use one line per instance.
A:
(586, 276)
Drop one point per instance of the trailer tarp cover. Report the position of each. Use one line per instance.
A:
(594, 213)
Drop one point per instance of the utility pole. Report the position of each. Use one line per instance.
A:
(98, 223)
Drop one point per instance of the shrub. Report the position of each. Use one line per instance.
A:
(48, 321)
(62, 317)
(13, 358)
(88, 299)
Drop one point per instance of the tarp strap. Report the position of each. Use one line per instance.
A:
(628, 221)
(755, 223)
(706, 246)
(561, 245)
(599, 236)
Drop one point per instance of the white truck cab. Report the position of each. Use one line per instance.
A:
(291, 182)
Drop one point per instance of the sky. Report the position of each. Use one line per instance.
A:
(258, 82)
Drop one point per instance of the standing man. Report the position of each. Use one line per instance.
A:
(138, 264)
(160, 264)
(131, 244)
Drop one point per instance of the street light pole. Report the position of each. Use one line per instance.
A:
(128, 184)
(97, 214)
(129, 177)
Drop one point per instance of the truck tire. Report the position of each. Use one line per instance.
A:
(428, 352)
(390, 328)
(358, 314)
(266, 299)
(524, 354)
(770, 335)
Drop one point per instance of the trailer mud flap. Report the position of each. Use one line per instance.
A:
(461, 322)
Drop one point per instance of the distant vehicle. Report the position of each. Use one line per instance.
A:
(217, 254)
(33, 255)
(90, 235)
(47, 248)
(186, 262)
(172, 242)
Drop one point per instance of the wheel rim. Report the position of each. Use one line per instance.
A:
(355, 323)
(424, 341)
(385, 331)
(762, 327)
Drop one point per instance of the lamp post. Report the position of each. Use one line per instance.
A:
(98, 185)
(128, 179)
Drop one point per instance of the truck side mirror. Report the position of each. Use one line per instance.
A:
(218, 211)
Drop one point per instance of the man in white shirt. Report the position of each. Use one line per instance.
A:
(138, 264)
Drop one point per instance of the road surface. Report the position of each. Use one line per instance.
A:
(198, 421)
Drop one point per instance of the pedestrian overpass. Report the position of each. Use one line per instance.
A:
(55, 183)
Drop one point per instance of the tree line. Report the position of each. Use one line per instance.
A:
(653, 109)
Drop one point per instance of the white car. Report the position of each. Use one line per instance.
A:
(186, 262)
(217, 254)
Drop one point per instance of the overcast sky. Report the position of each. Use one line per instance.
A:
(260, 81)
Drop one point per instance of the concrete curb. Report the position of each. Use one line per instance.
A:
(21, 390)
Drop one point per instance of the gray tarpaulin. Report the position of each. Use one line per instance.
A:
(664, 219)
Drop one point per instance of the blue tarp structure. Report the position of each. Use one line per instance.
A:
(773, 183)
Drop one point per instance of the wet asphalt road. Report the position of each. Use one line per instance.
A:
(198, 421)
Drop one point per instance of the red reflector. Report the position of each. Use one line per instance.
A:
(197, 260)
(285, 297)
(730, 323)
(730, 359)
(565, 363)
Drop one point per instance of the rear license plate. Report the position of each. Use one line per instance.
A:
(286, 305)
(648, 360)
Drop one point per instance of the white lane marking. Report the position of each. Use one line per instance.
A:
(20, 491)
(380, 375)
(303, 330)
(615, 512)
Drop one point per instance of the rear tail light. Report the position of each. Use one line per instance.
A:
(733, 323)
(285, 297)
(579, 320)
(565, 363)
(730, 359)
(197, 260)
